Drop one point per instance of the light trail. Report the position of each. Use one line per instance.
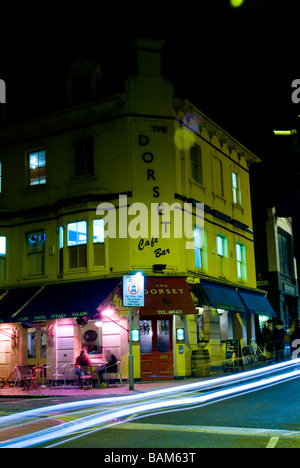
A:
(198, 386)
(83, 424)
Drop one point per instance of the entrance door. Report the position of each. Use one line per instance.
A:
(36, 346)
(156, 349)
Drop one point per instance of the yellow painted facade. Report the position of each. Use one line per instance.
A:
(148, 148)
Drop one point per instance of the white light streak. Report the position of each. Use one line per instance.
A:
(88, 422)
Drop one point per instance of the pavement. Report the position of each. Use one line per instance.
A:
(112, 390)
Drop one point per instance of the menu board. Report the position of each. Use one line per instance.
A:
(233, 359)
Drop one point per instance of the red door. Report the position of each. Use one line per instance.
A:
(156, 349)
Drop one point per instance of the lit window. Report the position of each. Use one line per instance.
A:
(221, 253)
(37, 167)
(77, 240)
(236, 192)
(98, 241)
(61, 247)
(36, 252)
(98, 231)
(2, 257)
(220, 248)
(198, 247)
(241, 261)
(77, 233)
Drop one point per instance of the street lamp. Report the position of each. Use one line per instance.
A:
(285, 132)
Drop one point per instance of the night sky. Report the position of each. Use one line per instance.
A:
(236, 65)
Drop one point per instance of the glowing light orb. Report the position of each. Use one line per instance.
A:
(184, 138)
(236, 3)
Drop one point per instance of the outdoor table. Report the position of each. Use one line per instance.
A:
(43, 373)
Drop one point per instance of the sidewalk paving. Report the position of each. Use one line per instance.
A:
(117, 390)
(113, 390)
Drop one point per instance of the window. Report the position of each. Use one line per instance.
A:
(84, 157)
(0, 176)
(77, 240)
(241, 261)
(285, 253)
(98, 241)
(236, 192)
(217, 177)
(2, 257)
(37, 167)
(221, 253)
(196, 164)
(61, 247)
(36, 252)
(198, 247)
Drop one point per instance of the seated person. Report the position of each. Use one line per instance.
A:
(110, 366)
(82, 361)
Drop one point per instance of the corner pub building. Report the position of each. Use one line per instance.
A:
(61, 276)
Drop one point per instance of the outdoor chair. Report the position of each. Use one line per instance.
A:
(7, 381)
(70, 374)
(86, 374)
(28, 377)
(34, 376)
(59, 373)
(107, 376)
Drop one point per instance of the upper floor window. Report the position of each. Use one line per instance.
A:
(236, 191)
(217, 176)
(2, 257)
(37, 167)
(198, 240)
(241, 261)
(36, 252)
(196, 164)
(77, 241)
(285, 253)
(61, 247)
(221, 253)
(98, 241)
(0, 176)
(84, 157)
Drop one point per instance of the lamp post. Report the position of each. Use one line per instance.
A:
(133, 297)
(130, 358)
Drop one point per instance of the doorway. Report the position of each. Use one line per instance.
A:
(156, 346)
(36, 342)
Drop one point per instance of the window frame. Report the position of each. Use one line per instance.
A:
(99, 245)
(198, 246)
(196, 165)
(40, 169)
(236, 188)
(77, 250)
(38, 252)
(241, 261)
(3, 258)
(285, 252)
(84, 159)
